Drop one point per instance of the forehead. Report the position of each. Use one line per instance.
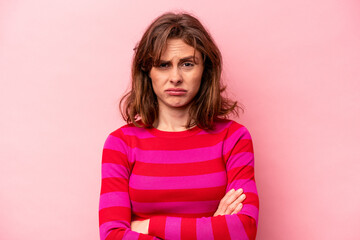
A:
(177, 48)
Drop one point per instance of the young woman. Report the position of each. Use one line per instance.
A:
(179, 169)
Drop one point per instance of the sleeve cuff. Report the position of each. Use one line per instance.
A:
(157, 226)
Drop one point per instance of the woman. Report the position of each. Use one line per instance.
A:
(178, 169)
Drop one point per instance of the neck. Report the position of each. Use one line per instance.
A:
(171, 119)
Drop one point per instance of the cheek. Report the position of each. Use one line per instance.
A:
(198, 79)
(155, 86)
(154, 80)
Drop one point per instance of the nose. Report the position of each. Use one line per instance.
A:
(175, 76)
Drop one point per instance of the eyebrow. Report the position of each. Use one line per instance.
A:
(182, 59)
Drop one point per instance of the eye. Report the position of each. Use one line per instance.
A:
(163, 65)
(188, 64)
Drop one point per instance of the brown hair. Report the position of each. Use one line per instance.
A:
(207, 105)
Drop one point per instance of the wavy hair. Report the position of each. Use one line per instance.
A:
(208, 104)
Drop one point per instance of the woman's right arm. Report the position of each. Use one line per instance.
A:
(114, 207)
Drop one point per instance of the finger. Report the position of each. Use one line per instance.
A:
(236, 206)
(228, 199)
(237, 209)
(222, 206)
(232, 198)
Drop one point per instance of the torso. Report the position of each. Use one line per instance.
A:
(176, 174)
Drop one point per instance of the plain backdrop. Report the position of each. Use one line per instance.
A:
(293, 64)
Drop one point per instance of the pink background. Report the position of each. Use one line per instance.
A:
(293, 64)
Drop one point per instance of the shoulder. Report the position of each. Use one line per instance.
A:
(130, 130)
(229, 124)
(121, 138)
(232, 128)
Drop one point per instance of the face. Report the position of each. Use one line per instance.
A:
(176, 80)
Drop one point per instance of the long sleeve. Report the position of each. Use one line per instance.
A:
(239, 157)
(114, 205)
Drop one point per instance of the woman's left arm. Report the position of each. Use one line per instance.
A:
(243, 225)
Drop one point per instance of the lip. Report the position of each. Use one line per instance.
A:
(175, 91)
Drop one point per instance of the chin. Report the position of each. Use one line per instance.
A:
(179, 106)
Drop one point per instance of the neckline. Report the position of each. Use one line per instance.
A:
(172, 134)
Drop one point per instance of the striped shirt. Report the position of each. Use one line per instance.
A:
(177, 179)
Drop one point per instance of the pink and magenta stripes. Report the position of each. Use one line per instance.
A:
(177, 181)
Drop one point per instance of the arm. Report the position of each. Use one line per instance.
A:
(114, 207)
(240, 172)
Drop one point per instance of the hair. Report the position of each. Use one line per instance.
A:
(208, 104)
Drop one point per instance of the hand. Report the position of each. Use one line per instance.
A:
(231, 203)
(140, 226)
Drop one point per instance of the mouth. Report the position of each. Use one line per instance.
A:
(175, 91)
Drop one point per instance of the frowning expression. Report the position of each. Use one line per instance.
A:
(177, 78)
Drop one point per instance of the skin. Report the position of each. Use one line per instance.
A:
(179, 69)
